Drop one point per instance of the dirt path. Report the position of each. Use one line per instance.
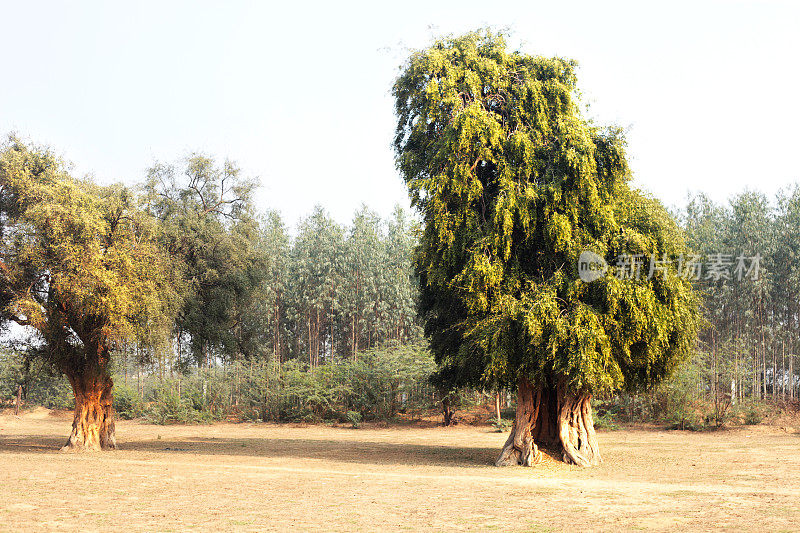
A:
(270, 477)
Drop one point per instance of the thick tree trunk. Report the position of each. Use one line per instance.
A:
(551, 417)
(576, 429)
(93, 424)
(520, 449)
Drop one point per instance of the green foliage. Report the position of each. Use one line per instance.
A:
(166, 403)
(41, 383)
(513, 184)
(167, 408)
(380, 385)
(750, 412)
(751, 335)
(502, 425)
(683, 402)
(81, 265)
(353, 418)
(350, 288)
(209, 227)
(127, 403)
(12, 373)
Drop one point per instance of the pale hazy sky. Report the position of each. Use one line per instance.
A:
(299, 93)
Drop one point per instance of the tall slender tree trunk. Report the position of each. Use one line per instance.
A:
(763, 350)
(277, 333)
(753, 376)
(354, 339)
(783, 371)
(551, 416)
(18, 401)
(93, 422)
(310, 347)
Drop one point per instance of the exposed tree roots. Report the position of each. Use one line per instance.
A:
(551, 416)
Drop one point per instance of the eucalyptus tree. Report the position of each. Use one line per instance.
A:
(81, 266)
(512, 185)
(707, 227)
(361, 275)
(398, 285)
(275, 248)
(786, 283)
(316, 280)
(749, 232)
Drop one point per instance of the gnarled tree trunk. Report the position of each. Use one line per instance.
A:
(520, 449)
(93, 425)
(551, 416)
(576, 429)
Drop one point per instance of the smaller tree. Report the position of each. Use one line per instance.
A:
(206, 213)
(80, 265)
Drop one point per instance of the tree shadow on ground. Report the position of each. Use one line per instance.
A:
(31, 444)
(286, 449)
(348, 451)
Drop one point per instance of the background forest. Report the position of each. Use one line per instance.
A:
(319, 322)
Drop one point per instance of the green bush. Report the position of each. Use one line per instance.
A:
(604, 417)
(381, 384)
(354, 418)
(750, 413)
(166, 406)
(127, 402)
(41, 384)
(502, 425)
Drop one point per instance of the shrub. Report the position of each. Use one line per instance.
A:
(127, 402)
(502, 425)
(166, 406)
(603, 415)
(378, 385)
(354, 418)
(749, 413)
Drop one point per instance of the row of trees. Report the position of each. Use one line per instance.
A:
(748, 348)
(257, 292)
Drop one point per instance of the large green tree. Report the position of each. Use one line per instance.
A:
(513, 184)
(80, 265)
(209, 227)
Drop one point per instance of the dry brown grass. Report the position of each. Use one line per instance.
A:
(281, 477)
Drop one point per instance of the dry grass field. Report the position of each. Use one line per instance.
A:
(256, 477)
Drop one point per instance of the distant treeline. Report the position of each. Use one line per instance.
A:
(254, 291)
(750, 345)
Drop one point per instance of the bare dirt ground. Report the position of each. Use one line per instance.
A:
(256, 477)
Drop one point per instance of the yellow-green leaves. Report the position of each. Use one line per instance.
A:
(513, 183)
(80, 263)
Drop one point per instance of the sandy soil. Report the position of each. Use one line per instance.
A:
(249, 477)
